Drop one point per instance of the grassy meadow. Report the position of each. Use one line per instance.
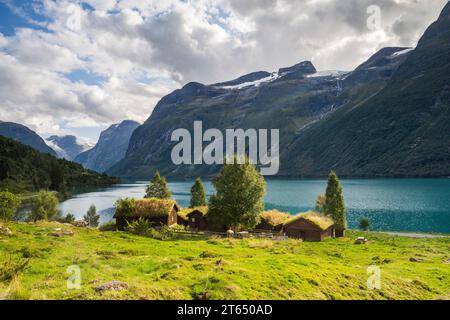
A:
(209, 268)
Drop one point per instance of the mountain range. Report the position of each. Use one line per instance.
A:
(25, 136)
(111, 147)
(389, 117)
(67, 147)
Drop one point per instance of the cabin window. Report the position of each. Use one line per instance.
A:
(193, 219)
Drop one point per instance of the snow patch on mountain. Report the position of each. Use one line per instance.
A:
(399, 53)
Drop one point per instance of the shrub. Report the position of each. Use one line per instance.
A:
(70, 218)
(109, 226)
(140, 227)
(364, 224)
(8, 205)
(12, 267)
(44, 206)
(126, 206)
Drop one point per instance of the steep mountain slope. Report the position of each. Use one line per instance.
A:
(24, 135)
(290, 100)
(404, 130)
(23, 169)
(111, 147)
(67, 147)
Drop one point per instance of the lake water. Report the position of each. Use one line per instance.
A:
(419, 205)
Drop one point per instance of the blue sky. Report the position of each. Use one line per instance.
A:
(71, 68)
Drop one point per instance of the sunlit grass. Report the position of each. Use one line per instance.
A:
(223, 268)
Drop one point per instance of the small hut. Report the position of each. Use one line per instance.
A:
(196, 218)
(272, 221)
(156, 211)
(310, 226)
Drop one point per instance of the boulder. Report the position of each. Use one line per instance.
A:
(58, 233)
(5, 231)
(112, 286)
(414, 259)
(361, 240)
(80, 224)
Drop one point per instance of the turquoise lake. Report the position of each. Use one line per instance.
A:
(416, 205)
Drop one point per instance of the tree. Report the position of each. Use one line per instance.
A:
(158, 188)
(198, 198)
(44, 206)
(364, 224)
(8, 205)
(70, 218)
(334, 203)
(238, 201)
(320, 203)
(91, 217)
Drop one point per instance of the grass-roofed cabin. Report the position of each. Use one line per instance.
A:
(310, 226)
(272, 220)
(156, 211)
(195, 218)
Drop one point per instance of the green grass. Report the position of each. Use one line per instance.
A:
(222, 268)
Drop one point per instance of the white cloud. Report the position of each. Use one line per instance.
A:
(145, 49)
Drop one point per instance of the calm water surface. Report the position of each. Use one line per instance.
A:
(420, 205)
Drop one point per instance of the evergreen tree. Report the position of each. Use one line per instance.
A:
(198, 196)
(334, 202)
(158, 188)
(91, 217)
(238, 201)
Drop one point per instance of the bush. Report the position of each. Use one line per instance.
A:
(70, 218)
(8, 205)
(109, 226)
(12, 268)
(364, 224)
(44, 206)
(140, 227)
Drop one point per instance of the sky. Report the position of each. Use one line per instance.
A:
(77, 67)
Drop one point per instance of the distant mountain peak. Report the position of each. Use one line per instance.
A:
(67, 147)
(304, 68)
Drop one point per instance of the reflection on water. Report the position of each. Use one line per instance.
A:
(421, 205)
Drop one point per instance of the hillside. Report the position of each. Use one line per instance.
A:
(205, 268)
(24, 135)
(24, 169)
(111, 147)
(403, 130)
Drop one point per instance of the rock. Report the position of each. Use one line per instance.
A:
(112, 286)
(59, 233)
(448, 261)
(5, 231)
(361, 240)
(414, 259)
(80, 224)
